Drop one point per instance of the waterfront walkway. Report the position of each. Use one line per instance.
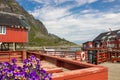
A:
(113, 70)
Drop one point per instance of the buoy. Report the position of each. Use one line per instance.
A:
(83, 56)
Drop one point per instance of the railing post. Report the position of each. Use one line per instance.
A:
(9, 56)
(65, 53)
(23, 55)
(55, 53)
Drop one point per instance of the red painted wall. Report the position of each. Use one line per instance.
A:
(14, 35)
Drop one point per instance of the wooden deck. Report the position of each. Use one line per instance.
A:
(63, 68)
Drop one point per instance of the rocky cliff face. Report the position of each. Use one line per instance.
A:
(38, 34)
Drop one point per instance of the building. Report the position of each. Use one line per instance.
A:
(13, 30)
(105, 47)
(109, 39)
(88, 44)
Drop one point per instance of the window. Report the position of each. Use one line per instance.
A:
(118, 32)
(108, 33)
(103, 38)
(2, 30)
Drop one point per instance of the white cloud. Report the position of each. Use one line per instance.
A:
(61, 1)
(108, 1)
(83, 26)
(42, 1)
(49, 13)
(48, 2)
(112, 15)
(89, 11)
(81, 2)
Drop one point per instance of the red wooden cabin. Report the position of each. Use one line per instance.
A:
(13, 29)
(87, 45)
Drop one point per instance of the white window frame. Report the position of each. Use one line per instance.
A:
(118, 32)
(108, 33)
(3, 29)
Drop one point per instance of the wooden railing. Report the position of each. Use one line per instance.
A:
(77, 70)
(6, 56)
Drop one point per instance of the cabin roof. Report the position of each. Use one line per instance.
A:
(14, 20)
(105, 35)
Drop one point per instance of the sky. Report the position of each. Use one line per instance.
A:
(75, 20)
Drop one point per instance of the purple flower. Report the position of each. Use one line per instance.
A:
(7, 64)
(2, 77)
(16, 70)
(48, 77)
(14, 60)
(36, 77)
(16, 75)
(9, 73)
(13, 67)
(33, 59)
(26, 69)
(27, 63)
(20, 76)
(30, 71)
(33, 73)
(38, 61)
(38, 66)
(4, 71)
(43, 71)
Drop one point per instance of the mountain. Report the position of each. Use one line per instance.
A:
(38, 34)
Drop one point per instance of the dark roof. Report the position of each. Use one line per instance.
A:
(12, 19)
(87, 42)
(105, 35)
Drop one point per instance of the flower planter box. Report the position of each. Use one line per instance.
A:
(76, 70)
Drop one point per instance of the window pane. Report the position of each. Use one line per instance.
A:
(4, 29)
(0, 29)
